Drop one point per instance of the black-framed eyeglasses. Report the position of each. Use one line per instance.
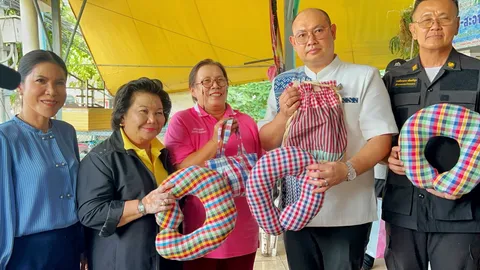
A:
(208, 82)
(318, 33)
(428, 23)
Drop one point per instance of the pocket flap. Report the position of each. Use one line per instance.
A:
(406, 99)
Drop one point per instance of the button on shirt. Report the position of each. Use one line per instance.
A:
(38, 174)
(368, 114)
(155, 167)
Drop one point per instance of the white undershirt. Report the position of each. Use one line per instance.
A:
(432, 72)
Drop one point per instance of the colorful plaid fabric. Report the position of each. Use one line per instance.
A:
(318, 126)
(216, 195)
(275, 165)
(446, 120)
(234, 168)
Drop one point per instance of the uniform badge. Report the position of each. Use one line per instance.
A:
(415, 67)
(451, 65)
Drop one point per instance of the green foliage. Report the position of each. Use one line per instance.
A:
(80, 62)
(250, 98)
(401, 44)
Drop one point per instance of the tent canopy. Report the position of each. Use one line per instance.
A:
(164, 39)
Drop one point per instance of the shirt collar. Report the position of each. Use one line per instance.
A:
(229, 112)
(452, 63)
(128, 145)
(325, 71)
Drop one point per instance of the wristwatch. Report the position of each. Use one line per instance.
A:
(352, 174)
(141, 208)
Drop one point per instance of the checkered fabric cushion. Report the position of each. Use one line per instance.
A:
(234, 168)
(216, 195)
(446, 120)
(275, 165)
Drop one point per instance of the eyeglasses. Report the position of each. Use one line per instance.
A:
(428, 23)
(318, 33)
(208, 82)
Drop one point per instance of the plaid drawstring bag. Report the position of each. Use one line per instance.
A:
(318, 126)
(316, 132)
(233, 168)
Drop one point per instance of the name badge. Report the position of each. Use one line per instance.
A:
(405, 82)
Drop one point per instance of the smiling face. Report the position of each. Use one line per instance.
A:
(144, 119)
(44, 90)
(210, 87)
(442, 15)
(313, 37)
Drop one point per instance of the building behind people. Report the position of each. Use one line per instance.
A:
(426, 226)
(192, 136)
(336, 237)
(38, 173)
(120, 182)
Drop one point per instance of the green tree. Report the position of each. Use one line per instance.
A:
(401, 44)
(250, 98)
(80, 62)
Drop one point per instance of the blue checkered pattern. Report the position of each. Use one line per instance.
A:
(234, 168)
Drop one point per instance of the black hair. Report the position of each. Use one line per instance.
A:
(418, 2)
(193, 73)
(123, 98)
(33, 58)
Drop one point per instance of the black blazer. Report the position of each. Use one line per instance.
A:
(108, 176)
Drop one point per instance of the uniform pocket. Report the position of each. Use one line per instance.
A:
(467, 99)
(451, 210)
(405, 105)
(398, 199)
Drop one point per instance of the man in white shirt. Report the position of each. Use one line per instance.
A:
(335, 239)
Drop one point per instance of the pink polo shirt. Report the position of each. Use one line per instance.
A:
(190, 130)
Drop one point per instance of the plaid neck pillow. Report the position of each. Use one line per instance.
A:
(446, 120)
(216, 195)
(275, 165)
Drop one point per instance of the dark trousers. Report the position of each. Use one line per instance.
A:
(411, 250)
(53, 250)
(327, 248)
(236, 263)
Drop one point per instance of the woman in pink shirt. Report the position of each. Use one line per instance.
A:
(191, 137)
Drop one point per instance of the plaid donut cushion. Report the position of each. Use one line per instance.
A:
(446, 120)
(215, 193)
(275, 165)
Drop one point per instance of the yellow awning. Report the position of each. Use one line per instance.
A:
(164, 39)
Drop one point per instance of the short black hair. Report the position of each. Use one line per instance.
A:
(205, 62)
(123, 98)
(418, 2)
(317, 9)
(33, 58)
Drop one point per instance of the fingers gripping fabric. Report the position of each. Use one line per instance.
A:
(233, 168)
(216, 195)
(447, 120)
(274, 165)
